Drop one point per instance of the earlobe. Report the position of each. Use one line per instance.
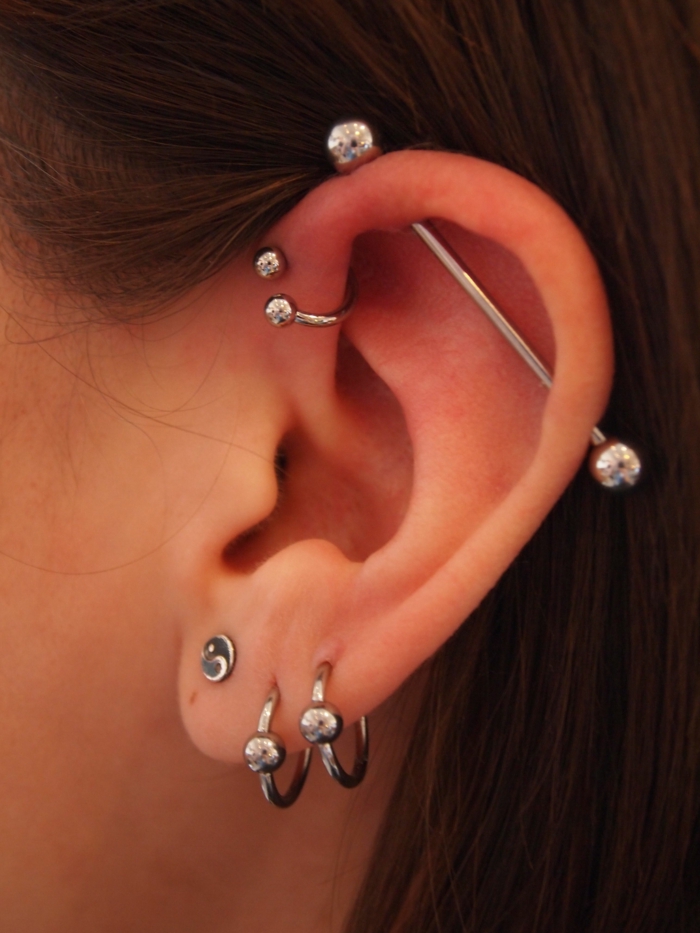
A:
(445, 440)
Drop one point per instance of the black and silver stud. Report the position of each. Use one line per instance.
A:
(218, 658)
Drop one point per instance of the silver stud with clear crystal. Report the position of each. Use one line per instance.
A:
(615, 465)
(280, 310)
(269, 262)
(321, 724)
(218, 658)
(264, 753)
(350, 145)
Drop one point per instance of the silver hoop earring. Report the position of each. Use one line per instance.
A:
(613, 464)
(321, 724)
(265, 753)
(282, 310)
(218, 658)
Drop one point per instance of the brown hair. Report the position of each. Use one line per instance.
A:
(553, 783)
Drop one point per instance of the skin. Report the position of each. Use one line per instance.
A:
(142, 514)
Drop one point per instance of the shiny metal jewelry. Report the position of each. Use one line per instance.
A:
(265, 753)
(321, 724)
(269, 262)
(613, 464)
(281, 310)
(218, 658)
(351, 145)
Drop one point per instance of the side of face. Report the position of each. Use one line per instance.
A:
(144, 508)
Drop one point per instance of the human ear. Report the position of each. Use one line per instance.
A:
(421, 454)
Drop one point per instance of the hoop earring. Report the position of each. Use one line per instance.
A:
(281, 310)
(265, 753)
(321, 724)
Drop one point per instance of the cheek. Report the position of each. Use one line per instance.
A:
(111, 444)
(114, 455)
(116, 451)
(86, 668)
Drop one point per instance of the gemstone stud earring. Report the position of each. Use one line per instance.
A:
(270, 262)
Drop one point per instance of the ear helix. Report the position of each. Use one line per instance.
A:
(351, 144)
(613, 464)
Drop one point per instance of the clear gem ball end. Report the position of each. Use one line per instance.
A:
(349, 141)
(319, 724)
(263, 753)
(267, 264)
(615, 465)
(280, 311)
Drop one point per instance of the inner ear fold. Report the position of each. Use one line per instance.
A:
(347, 482)
(349, 479)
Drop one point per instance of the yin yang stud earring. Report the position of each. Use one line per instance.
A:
(612, 463)
(218, 658)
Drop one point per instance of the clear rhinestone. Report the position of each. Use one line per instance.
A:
(264, 753)
(319, 724)
(280, 311)
(615, 465)
(267, 263)
(349, 141)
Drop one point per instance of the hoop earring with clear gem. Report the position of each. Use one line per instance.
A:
(265, 753)
(321, 724)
